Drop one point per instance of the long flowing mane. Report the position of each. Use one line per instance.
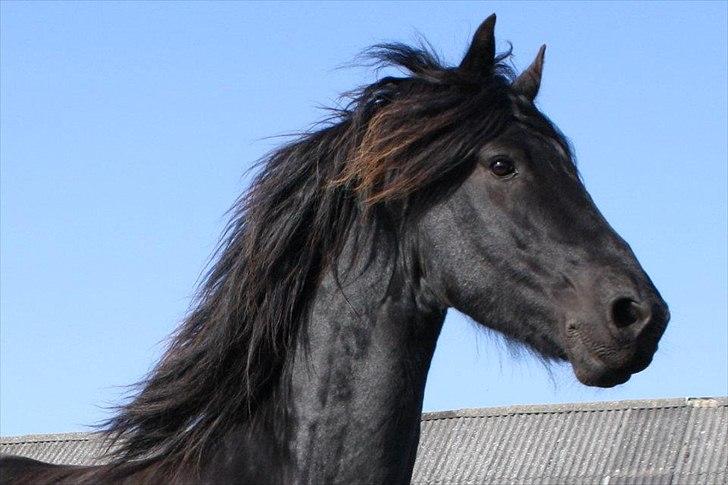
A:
(359, 172)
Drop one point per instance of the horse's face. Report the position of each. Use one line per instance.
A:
(521, 248)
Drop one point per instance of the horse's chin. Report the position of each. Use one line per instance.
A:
(608, 361)
(600, 378)
(592, 371)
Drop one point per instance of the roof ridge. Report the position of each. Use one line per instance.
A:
(49, 437)
(698, 402)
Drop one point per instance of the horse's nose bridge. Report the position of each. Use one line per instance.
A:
(615, 257)
(605, 268)
(621, 278)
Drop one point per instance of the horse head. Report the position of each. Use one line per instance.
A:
(506, 231)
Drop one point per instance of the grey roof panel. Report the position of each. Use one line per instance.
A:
(651, 442)
(665, 441)
(705, 447)
(588, 443)
(66, 448)
(627, 442)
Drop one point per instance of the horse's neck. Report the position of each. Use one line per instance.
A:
(358, 378)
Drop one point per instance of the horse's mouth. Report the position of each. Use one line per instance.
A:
(603, 376)
(594, 367)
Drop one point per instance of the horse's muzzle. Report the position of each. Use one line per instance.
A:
(608, 353)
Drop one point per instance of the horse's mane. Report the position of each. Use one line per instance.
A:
(395, 139)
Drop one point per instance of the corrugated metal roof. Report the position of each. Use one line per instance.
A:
(66, 448)
(664, 441)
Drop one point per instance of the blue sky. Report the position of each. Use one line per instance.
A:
(126, 127)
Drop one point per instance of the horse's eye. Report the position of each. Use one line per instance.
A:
(503, 167)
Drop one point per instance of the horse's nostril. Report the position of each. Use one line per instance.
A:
(626, 312)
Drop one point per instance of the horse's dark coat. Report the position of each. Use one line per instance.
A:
(305, 357)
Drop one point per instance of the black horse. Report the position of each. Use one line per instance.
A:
(305, 356)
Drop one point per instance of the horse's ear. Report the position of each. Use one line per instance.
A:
(529, 81)
(481, 53)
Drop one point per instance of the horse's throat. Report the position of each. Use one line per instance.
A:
(357, 384)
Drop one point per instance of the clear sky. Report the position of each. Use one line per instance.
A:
(126, 128)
